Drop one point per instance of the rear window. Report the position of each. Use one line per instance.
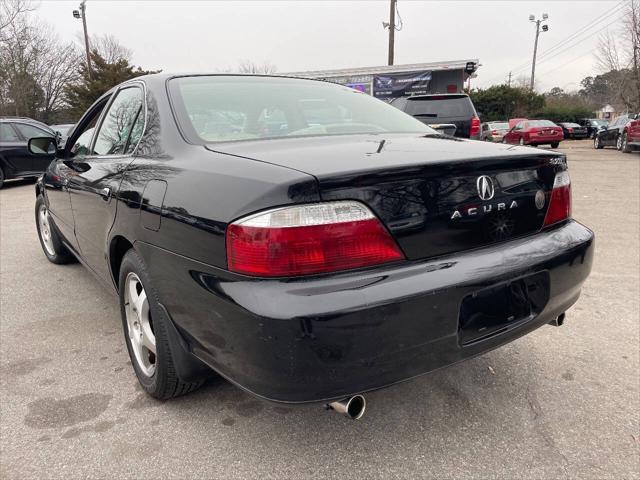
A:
(499, 126)
(571, 125)
(541, 123)
(220, 108)
(440, 106)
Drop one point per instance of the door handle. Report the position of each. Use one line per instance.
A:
(105, 193)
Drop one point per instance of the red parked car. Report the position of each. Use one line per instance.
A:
(631, 136)
(535, 132)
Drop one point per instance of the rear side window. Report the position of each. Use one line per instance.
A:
(438, 107)
(8, 134)
(29, 131)
(540, 123)
(118, 122)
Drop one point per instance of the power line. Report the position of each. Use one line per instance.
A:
(575, 34)
(573, 45)
(578, 33)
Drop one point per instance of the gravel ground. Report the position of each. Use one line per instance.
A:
(560, 402)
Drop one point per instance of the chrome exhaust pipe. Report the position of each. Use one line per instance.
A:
(352, 407)
(557, 322)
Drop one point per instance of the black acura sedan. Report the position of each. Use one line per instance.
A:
(304, 240)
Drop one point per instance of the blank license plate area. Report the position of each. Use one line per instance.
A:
(496, 309)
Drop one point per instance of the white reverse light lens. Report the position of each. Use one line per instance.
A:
(309, 215)
(562, 179)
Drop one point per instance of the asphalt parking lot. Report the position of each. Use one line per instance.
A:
(559, 403)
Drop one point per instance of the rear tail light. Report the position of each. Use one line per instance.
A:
(494, 132)
(560, 204)
(475, 127)
(309, 239)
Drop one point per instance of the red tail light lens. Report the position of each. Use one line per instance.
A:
(475, 127)
(570, 130)
(560, 204)
(309, 239)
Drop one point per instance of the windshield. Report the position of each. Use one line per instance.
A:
(571, 125)
(222, 108)
(540, 123)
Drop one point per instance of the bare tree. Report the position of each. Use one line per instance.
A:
(109, 48)
(608, 57)
(34, 67)
(619, 52)
(247, 66)
(10, 10)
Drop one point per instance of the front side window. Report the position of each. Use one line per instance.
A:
(118, 122)
(227, 107)
(29, 131)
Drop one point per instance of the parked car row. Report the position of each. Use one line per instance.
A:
(15, 159)
(623, 133)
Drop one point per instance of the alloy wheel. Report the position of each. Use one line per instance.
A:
(619, 142)
(45, 230)
(139, 324)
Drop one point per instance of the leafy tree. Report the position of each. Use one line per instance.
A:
(501, 102)
(105, 75)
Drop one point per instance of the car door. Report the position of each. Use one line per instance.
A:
(38, 163)
(516, 133)
(66, 166)
(16, 160)
(612, 131)
(98, 175)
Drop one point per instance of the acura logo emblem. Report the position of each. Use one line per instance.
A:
(485, 187)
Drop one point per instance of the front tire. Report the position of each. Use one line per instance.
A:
(50, 240)
(597, 144)
(145, 330)
(1, 177)
(625, 143)
(555, 144)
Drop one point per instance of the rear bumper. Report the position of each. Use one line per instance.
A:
(538, 140)
(329, 337)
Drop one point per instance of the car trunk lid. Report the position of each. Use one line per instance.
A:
(435, 195)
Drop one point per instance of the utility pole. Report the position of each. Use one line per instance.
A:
(83, 14)
(532, 18)
(509, 82)
(392, 29)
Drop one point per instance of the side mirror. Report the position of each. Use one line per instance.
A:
(43, 145)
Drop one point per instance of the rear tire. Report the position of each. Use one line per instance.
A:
(145, 330)
(619, 142)
(1, 177)
(50, 239)
(555, 144)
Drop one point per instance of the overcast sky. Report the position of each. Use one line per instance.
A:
(308, 35)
